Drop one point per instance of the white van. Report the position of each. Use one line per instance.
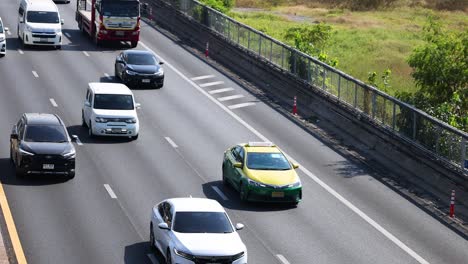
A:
(39, 23)
(2, 39)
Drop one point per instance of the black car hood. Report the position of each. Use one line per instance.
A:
(146, 69)
(50, 148)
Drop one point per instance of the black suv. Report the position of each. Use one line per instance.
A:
(139, 68)
(40, 144)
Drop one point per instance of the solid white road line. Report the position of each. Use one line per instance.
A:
(67, 34)
(282, 259)
(20, 51)
(108, 76)
(211, 84)
(366, 218)
(78, 141)
(202, 77)
(222, 90)
(8, 32)
(152, 258)
(232, 97)
(52, 101)
(240, 105)
(173, 144)
(110, 191)
(220, 193)
(86, 53)
(35, 74)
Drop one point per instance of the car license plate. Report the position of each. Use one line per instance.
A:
(48, 166)
(277, 194)
(145, 80)
(44, 40)
(116, 130)
(119, 33)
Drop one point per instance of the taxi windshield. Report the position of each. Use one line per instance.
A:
(267, 161)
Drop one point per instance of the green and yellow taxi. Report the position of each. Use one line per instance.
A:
(259, 171)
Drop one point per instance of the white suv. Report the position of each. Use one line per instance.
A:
(2, 39)
(110, 110)
(195, 230)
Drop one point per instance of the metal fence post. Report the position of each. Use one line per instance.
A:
(260, 45)
(282, 57)
(394, 116)
(373, 104)
(294, 61)
(248, 41)
(271, 49)
(324, 77)
(463, 153)
(238, 33)
(414, 125)
(229, 29)
(339, 86)
(308, 71)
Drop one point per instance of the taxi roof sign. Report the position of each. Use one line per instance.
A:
(260, 144)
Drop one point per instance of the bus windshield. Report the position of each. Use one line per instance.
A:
(121, 9)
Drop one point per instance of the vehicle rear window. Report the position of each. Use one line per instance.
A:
(141, 59)
(45, 133)
(202, 222)
(42, 17)
(267, 161)
(113, 101)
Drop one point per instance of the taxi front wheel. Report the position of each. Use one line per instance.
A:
(243, 193)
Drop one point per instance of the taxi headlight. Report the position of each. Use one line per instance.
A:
(254, 183)
(183, 254)
(296, 184)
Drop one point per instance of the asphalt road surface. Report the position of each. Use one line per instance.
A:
(346, 216)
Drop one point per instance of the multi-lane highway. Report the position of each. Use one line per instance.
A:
(102, 215)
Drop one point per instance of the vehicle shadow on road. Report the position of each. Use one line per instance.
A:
(233, 201)
(8, 176)
(139, 253)
(82, 133)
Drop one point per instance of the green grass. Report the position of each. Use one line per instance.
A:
(362, 41)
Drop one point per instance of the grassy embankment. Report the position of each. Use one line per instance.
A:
(363, 41)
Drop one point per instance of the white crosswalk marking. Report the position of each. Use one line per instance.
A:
(202, 77)
(231, 97)
(211, 84)
(223, 90)
(35, 74)
(235, 106)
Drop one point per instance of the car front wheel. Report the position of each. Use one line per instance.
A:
(152, 240)
(168, 257)
(90, 130)
(243, 193)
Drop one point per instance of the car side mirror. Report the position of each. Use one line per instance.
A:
(137, 105)
(119, 60)
(6, 29)
(14, 136)
(163, 226)
(295, 165)
(74, 138)
(239, 226)
(88, 104)
(62, 21)
(161, 62)
(237, 165)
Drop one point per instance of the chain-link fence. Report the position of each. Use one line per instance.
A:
(412, 124)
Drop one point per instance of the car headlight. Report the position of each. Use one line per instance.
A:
(130, 72)
(183, 254)
(58, 30)
(254, 183)
(69, 155)
(296, 184)
(25, 153)
(237, 256)
(160, 72)
(131, 120)
(2, 39)
(100, 120)
(28, 28)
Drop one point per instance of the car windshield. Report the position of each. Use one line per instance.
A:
(202, 222)
(121, 9)
(45, 133)
(267, 161)
(1, 26)
(141, 59)
(113, 101)
(42, 17)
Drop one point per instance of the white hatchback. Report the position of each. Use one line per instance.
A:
(195, 230)
(3, 30)
(109, 109)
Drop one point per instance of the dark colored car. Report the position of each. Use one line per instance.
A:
(40, 144)
(139, 68)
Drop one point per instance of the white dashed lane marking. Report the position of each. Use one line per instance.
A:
(202, 77)
(20, 51)
(52, 101)
(240, 105)
(282, 259)
(86, 53)
(108, 76)
(222, 90)
(220, 193)
(211, 84)
(110, 191)
(173, 144)
(231, 97)
(8, 32)
(68, 35)
(35, 74)
(78, 141)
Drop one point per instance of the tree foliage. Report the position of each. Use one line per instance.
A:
(221, 5)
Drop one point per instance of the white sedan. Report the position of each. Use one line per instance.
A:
(195, 230)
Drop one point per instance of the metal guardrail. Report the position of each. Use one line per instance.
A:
(412, 124)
